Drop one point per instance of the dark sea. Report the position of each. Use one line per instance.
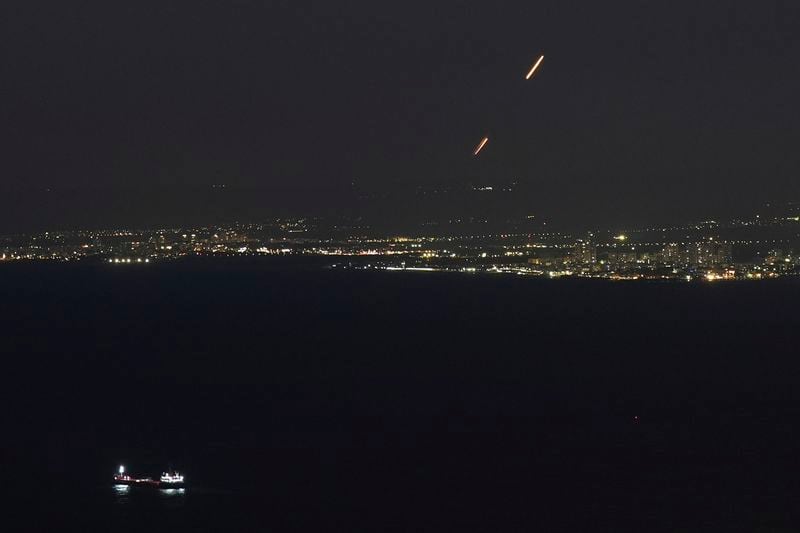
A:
(297, 398)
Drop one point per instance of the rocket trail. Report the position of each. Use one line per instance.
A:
(528, 76)
(480, 146)
(534, 67)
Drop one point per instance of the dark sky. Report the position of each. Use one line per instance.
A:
(664, 108)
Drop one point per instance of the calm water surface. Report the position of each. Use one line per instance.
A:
(300, 399)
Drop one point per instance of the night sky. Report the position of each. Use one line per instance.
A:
(670, 109)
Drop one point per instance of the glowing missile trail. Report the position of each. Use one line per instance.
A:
(480, 146)
(534, 67)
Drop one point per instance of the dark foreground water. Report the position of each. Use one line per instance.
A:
(301, 399)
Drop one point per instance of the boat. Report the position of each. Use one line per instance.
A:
(168, 480)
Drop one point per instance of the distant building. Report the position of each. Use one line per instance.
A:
(621, 258)
(584, 253)
(549, 257)
(704, 253)
(774, 256)
(674, 254)
(709, 253)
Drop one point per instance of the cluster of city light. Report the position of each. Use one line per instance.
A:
(612, 255)
(266, 250)
(129, 260)
(715, 276)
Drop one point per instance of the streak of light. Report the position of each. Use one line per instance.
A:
(534, 67)
(480, 146)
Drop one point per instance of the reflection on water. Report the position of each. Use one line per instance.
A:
(125, 494)
(172, 492)
(122, 492)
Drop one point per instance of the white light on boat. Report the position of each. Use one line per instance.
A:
(171, 478)
(121, 469)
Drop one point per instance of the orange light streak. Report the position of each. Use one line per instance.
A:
(534, 67)
(480, 146)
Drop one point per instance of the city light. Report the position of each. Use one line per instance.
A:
(694, 251)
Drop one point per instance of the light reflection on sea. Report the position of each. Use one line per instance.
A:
(122, 492)
(126, 495)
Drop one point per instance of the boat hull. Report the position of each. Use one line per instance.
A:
(137, 482)
(163, 486)
(148, 483)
